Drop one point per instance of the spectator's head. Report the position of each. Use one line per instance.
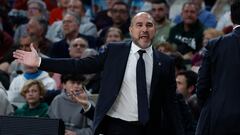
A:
(73, 83)
(235, 12)
(165, 47)
(209, 34)
(77, 47)
(186, 81)
(37, 8)
(25, 42)
(114, 34)
(189, 13)
(160, 10)
(71, 24)
(37, 26)
(63, 4)
(33, 91)
(142, 29)
(198, 4)
(178, 61)
(77, 7)
(120, 13)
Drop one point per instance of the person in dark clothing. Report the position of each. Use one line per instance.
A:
(218, 87)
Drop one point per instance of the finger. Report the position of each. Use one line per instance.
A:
(17, 55)
(32, 48)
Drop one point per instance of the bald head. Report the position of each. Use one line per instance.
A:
(141, 14)
(142, 29)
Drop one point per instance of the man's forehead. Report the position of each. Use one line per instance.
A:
(143, 17)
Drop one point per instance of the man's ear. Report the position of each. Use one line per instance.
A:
(130, 30)
(191, 89)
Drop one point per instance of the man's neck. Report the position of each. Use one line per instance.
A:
(72, 36)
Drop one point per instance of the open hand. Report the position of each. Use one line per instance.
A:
(27, 58)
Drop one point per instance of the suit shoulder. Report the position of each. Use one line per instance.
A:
(164, 57)
(118, 45)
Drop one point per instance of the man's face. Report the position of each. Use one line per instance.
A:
(77, 47)
(33, 10)
(119, 14)
(189, 14)
(34, 28)
(75, 6)
(70, 25)
(113, 36)
(142, 30)
(182, 85)
(159, 12)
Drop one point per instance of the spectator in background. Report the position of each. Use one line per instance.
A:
(103, 18)
(208, 35)
(160, 10)
(16, 68)
(29, 73)
(77, 47)
(37, 27)
(165, 47)
(33, 91)
(72, 112)
(121, 19)
(113, 34)
(35, 8)
(178, 61)
(56, 14)
(71, 25)
(186, 81)
(187, 35)
(6, 107)
(56, 31)
(207, 18)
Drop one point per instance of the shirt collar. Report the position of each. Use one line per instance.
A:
(135, 48)
(236, 26)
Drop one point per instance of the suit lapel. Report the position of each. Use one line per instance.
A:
(157, 70)
(121, 61)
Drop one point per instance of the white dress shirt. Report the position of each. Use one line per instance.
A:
(125, 106)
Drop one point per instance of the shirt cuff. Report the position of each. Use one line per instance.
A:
(89, 106)
(40, 60)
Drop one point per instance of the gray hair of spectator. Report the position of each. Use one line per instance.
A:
(42, 6)
(190, 3)
(76, 16)
(43, 23)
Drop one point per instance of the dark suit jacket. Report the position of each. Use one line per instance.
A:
(218, 86)
(112, 64)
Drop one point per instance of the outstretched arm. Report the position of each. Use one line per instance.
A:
(27, 58)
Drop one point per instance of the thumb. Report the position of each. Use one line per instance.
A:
(33, 49)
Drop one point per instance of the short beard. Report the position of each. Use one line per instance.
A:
(161, 20)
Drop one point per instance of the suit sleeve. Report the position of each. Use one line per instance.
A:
(74, 66)
(172, 114)
(205, 72)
